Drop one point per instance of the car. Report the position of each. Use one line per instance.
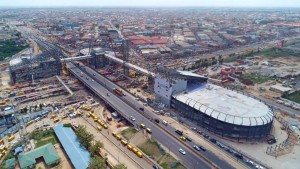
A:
(132, 118)
(149, 130)
(196, 147)
(199, 132)
(259, 167)
(94, 74)
(93, 80)
(238, 155)
(202, 148)
(189, 138)
(182, 151)
(156, 120)
(141, 108)
(179, 132)
(87, 78)
(206, 136)
(183, 138)
(250, 162)
(194, 128)
(155, 167)
(213, 140)
(229, 150)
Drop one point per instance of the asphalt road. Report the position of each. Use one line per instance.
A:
(190, 160)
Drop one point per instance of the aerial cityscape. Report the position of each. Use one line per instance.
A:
(149, 84)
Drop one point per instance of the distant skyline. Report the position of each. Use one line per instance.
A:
(150, 3)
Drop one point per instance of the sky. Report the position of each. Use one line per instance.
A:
(151, 3)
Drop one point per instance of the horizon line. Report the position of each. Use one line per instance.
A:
(77, 6)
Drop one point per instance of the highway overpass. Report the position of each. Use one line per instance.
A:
(128, 106)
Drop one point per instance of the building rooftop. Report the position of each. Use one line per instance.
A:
(47, 152)
(226, 105)
(78, 155)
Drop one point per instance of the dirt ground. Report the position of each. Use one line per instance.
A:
(64, 161)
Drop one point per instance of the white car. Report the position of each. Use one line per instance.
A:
(93, 80)
(132, 118)
(182, 151)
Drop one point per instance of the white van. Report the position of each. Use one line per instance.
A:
(165, 122)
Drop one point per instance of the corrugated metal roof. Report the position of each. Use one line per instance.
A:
(47, 152)
(78, 155)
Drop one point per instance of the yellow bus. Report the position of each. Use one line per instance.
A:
(143, 125)
(95, 118)
(124, 142)
(53, 116)
(114, 134)
(71, 109)
(88, 114)
(105, 126)
(44, 88)
(1, 141)
(129, 147)
(119, 137)
(11, 138)
(29, 123)
(134, 150)
(139, 154)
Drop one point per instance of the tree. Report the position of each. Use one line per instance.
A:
(85, 138)
(25, 109)
(97, 163)
(119, 166)
(94, 149)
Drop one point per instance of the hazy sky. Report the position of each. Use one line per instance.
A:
(235, 3)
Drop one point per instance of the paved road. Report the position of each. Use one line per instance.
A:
(190, 160)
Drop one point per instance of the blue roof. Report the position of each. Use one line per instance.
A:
(78, 155)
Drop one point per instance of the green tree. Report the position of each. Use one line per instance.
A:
(119, 166)
(25, 109)
(97, 163)
(85, 138)
(94, 149)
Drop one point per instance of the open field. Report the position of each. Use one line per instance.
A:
(129, 133)
(152, 149)
(9, 48)
(295, 97)
(256, 78)
(169, 162)
(44, 137)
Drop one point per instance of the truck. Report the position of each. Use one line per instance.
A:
(118, 91)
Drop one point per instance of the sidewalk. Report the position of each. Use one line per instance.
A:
(117, 153)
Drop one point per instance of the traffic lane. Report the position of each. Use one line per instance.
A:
(210, 155)
(171, 129)
(162, 138)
